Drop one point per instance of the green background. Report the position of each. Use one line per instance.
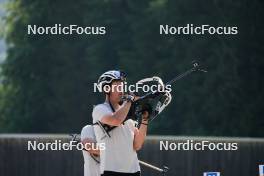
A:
(47, 80)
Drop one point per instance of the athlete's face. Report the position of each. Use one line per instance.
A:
(116, 91)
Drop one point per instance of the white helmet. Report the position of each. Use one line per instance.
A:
(108, 77)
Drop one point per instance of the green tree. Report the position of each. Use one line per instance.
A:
(48, 79)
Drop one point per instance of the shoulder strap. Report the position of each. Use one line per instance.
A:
(106, 128)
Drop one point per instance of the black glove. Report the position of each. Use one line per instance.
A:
(129, 98)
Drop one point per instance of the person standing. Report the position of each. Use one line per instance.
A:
(119, 157)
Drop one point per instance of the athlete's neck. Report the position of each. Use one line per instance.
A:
(113, 103)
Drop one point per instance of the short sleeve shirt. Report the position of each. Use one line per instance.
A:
(119, 154)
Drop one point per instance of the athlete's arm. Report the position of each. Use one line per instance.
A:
(140, 134)
(117, 118)
(90, 146)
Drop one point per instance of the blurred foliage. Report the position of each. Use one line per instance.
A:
(48, 79)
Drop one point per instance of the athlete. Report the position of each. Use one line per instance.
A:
(119, 156)
(90, 152)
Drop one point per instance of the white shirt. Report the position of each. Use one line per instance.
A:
(119, 154)
(91, 167)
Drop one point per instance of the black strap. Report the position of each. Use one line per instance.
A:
(94, 158)
(91, 155)
(106, 128)
(111, 106)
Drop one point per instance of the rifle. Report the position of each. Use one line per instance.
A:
(155, 102)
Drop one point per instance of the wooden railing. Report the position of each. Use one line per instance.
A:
(17, 160)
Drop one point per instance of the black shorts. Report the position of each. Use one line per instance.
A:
(110, 173)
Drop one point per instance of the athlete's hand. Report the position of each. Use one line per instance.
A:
(136, 98)
(130, 97)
